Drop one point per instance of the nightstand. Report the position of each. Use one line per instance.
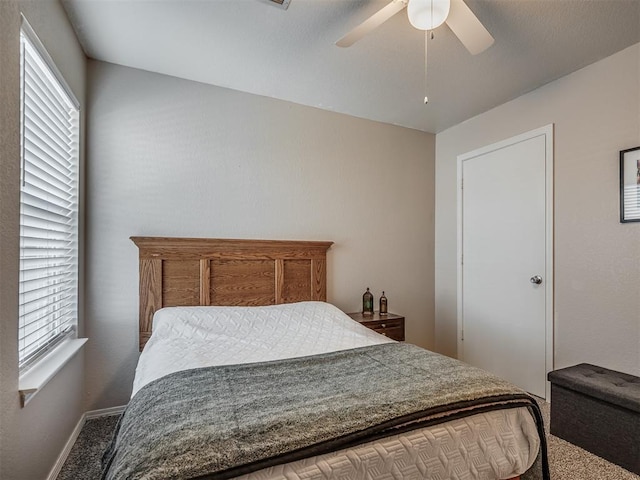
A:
(390, 325)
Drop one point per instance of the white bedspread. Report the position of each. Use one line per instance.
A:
(490, 445)
(193, 337)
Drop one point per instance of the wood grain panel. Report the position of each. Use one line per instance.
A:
(279, 264)
(180, 283)
(243, 282)
(210, 271)
(319, 279)
(296, 285)
(150, 296)
(205, 281)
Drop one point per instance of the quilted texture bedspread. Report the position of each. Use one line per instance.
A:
(225, 421)
(194, 337)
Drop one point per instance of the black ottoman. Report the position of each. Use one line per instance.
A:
(599, 410)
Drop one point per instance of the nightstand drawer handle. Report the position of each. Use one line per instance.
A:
(383, 325)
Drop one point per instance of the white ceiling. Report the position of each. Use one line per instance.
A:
(256, 47)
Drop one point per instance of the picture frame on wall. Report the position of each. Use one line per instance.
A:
(630, 185)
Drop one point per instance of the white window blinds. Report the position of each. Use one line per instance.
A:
(48, 204)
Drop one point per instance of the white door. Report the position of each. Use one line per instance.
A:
(506, 254)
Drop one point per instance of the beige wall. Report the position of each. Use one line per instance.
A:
(178, 158)
(30, 438)
(596, 112)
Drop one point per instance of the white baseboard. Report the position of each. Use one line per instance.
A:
(104, 412)
(67, 449)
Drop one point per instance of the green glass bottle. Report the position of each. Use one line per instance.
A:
(367, 303)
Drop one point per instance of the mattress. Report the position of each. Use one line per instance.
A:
(490, 445)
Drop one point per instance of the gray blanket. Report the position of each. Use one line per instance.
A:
(220, 422)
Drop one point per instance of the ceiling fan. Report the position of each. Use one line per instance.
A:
(427, 15)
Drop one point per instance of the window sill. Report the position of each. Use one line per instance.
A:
(37, 377)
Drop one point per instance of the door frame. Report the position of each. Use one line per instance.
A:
(547, 133)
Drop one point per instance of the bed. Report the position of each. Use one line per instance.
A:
(247, 372)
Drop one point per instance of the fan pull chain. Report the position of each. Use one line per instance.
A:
(428, 35)
(426, 41)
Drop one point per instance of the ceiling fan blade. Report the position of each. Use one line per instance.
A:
(371, 23)
(468, 28)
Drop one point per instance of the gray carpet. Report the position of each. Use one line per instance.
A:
(567, 462)
(83, 462)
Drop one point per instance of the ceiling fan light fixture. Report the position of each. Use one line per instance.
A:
(428, 14)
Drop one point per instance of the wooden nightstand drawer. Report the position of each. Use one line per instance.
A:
(390, 325)
(394, 331)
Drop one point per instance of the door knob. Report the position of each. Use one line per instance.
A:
(536, 279)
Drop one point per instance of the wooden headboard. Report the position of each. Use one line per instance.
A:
(210, 271)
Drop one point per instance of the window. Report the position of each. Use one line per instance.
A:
(48, 204)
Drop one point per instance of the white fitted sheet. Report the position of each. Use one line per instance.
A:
(492, 445)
